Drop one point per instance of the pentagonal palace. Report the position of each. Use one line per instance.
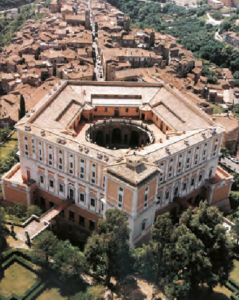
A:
(141, 147)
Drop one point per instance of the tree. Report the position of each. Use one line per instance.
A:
(206, 224)
(68, 260)
(187, 262)
(235, 232)
(108, 253)
(236, 181)
(224, 152)
(161, 236)
(33, 210)
(22, 110)
(44, 246)
(144, 260)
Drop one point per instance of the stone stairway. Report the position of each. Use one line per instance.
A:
(33, 228)
(37, 225)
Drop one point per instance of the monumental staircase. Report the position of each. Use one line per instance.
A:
(35, 225)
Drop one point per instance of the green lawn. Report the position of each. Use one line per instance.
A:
(17, 280)
(53, 294)
(7, 147)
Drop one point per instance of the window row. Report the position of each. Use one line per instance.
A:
(175, 165)
(81, 219)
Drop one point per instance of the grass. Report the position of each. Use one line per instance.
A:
(7, 147)
(53, 294)
(217, 109)
(17, 280)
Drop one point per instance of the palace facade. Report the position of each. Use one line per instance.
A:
(140, 147)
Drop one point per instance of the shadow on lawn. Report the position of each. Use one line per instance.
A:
(204, 293)
(66, 288)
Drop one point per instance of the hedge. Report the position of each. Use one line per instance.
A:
(12, 256)
(17, 251)
(230, 287)
(234, 283)
(234, 297)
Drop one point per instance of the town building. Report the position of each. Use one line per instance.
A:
(143, 148)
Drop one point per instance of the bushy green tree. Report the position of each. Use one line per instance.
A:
(68, 261)
(108, 253)
(33, 210)
(44, 246)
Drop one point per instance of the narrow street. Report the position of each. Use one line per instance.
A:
(96, 55)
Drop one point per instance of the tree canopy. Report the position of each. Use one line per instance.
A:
(108, 253)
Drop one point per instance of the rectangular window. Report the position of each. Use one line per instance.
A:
(196, 158)
(184, 186)
(120, 197)
(50, 155)
(200, 178)
(82, 198)
(91, 225)
(82, 168)
(93, 173)
(188, 160)
(170, 172)
(82, 221)
(26, 146)
(71, 216)
(215, 147)
(51, 183)
(60, 159)
(192, 181)
(104, 182)
(204, 152)
(106, 109)
(33, 146)
(61, 188)
(146, 196)
(92, 202)
(71, 165)
(41, 179)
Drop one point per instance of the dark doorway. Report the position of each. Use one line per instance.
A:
(42, 203)
(134, 141)
(125, 138)
(51, 204)
(143, 116)
(116, 112)
(99, 138)
(116, 136)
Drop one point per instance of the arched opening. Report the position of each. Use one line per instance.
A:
(99, 138)
(116, 136)
(134, 141)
